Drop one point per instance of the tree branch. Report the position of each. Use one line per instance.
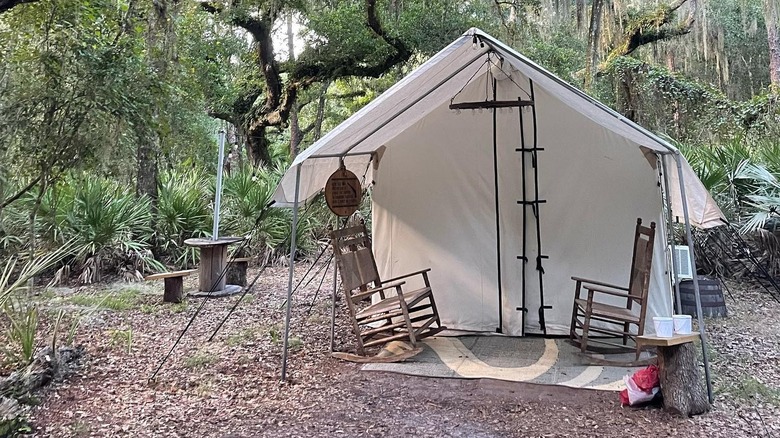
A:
(7, 5)
(21, 192)
(651, 27)
(347, 65)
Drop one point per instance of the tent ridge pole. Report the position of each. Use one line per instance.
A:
(689, 235)
(291, 274)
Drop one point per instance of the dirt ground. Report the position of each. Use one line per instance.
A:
(230, 387)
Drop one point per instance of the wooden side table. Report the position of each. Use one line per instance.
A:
(678, 371)
(213, 261)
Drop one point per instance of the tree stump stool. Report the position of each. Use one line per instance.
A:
(174, 284)
(236, 273)
(678, 370)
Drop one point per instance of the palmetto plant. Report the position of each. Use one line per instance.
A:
(247, 195)
(109, 226)
(247, 211)
(183, 212)
(22, 317)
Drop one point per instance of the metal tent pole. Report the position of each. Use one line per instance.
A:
(670, 231)
(218, 192)
(333, 307)
(689, 236)
(290, 276)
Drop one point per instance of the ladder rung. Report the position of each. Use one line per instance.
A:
(539, 201)
(528, 149)
(525, 259)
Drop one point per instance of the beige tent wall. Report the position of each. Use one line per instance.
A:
(434, 205)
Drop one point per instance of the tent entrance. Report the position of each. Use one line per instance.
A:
(525, 195)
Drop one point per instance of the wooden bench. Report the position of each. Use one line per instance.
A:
(678, 370)
(236, 272)
(174, 284)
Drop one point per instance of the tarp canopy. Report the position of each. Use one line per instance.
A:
(436, 202)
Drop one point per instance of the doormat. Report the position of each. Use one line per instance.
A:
(531, 360)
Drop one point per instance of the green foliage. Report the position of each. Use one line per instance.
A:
(183, 212)
(674, 103)
(22, 326)
(116, 301)
(122, 338)
(248, 193)
(200, 360)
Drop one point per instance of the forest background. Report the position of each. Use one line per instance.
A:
(109, 109)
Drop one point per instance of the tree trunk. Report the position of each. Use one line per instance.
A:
(681, 383)
(258, 145)
(594, 33)
(581, 16)
(146, 159)
(626, 96)
(772, 19)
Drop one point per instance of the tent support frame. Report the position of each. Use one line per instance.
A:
(291, 274)
(689, 236)
(348, 151)
(670, 234)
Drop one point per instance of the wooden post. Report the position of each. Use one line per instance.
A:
(212, 261)
(174, 290)
(236, 273)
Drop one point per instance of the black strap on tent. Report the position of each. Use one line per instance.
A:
(534, 204)
(495, 61)
(524, 256)
(499, 329)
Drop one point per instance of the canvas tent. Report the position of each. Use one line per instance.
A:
(446, 187)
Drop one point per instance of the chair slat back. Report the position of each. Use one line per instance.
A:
(644, 240)
(355, 260)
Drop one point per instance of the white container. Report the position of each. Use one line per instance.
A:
(682, 324)
(664, 326)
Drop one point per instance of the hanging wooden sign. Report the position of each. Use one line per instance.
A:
(343, 193)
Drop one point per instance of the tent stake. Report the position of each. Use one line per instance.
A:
(689, 235)
(291, 274)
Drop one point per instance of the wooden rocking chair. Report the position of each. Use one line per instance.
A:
(404, 314)
(618, 319)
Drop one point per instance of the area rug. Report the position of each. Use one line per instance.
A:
(531, 360)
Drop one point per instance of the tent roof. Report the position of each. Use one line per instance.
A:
(434, 83)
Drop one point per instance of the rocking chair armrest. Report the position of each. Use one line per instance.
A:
(386, 286)
(598, 283)
(607, 291)
(411, 274)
